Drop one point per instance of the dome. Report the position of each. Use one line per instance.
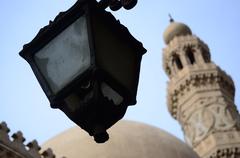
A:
(175, 29)
(128, 139)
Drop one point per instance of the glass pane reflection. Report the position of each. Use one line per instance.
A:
(66, 56)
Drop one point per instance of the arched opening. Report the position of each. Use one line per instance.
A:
(178, 62)
(190, 56)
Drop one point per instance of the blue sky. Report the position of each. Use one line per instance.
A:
(23, 104)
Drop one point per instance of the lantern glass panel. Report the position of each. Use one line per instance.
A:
(111, 94)
(66, 56)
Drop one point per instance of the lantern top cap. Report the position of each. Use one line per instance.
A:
(64, 19)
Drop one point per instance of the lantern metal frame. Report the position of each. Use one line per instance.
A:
(60, 23)
(89, 9)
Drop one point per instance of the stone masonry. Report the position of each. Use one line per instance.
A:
(15, 147)
(200, 95)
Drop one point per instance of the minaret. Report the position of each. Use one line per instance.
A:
(200, 95)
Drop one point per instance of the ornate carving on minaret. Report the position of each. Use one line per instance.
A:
(200, 95)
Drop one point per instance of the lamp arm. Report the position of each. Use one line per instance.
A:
(104, 4)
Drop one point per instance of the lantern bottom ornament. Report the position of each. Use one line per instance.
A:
(93, 111)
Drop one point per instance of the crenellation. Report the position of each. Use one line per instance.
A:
(4, 130)
(34, 149)
(18, 142)
(48, 153)
(15, 147)
(18, 137)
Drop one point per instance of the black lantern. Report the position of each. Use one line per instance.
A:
(88, 65)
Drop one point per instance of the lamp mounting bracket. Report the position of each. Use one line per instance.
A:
(115, 5)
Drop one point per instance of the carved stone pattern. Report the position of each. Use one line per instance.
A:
(197, 128)
(213, 118)
(231, 152)
(200, 81)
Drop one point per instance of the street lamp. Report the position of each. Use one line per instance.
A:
(88, 65)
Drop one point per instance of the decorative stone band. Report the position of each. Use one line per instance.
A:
(15, 147)
(232, 152)
(198, 81)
